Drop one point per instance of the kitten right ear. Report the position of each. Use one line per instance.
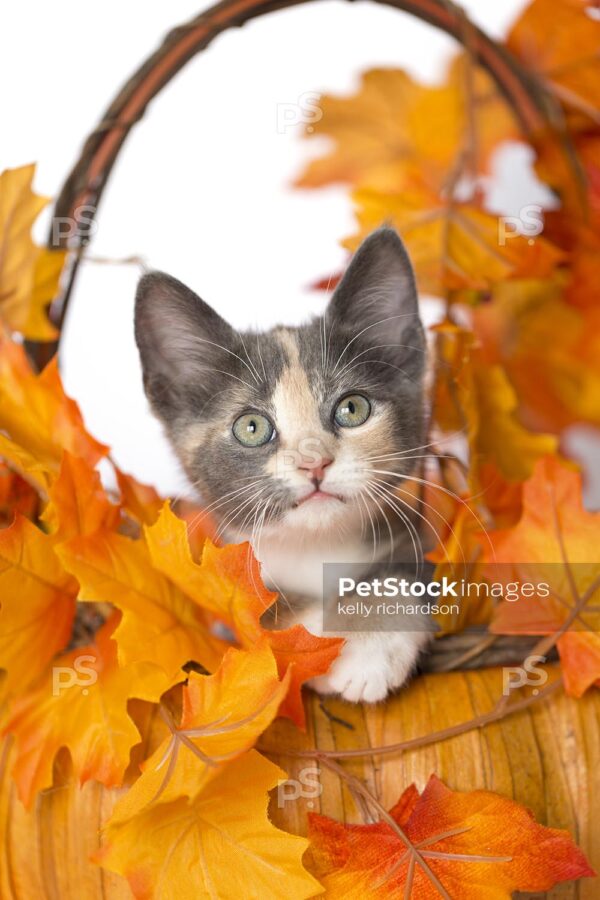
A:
(377, 301)
(181, 340)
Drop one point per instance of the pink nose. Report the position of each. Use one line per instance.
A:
(315, 468)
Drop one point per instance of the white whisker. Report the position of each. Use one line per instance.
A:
(412, 531)
(372, 325)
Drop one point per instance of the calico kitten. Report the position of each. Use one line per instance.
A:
(298, 437)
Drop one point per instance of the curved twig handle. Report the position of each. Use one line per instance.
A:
(81, 193)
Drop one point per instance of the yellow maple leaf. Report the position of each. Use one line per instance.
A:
(227, 582)
(453, 245)
(160, 623)
(495, 431)
(28, 274)
(392, 118)
(36, 473)
(221, 844)
(223, 715)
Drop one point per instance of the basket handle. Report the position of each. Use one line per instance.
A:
(534, 107)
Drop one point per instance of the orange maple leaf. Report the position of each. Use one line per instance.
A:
(555, 542)
(142, 501)
(559, 40)
(78, 502)
(478, 396)
(16, 496)
(529, 327)
(37, 414)
(443, 843)
(81, 704)
(32, 632)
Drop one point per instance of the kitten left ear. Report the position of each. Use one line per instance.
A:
(377, 297)
(183, 344)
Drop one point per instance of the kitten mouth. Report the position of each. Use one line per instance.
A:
(318, 496)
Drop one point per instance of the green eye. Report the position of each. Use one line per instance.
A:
(253, 430)
(352, 411)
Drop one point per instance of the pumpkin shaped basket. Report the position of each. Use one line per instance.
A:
(537, 745)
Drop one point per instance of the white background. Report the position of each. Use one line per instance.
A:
(202, 188)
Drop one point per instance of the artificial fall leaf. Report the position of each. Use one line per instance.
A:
(458, 555)
(37, 414)
(81, 704)
(37, 474)
(559, 40)
(223, 715)
(495, 433)
(580, 660)
(160, 623)
(476, 396)
(305, 656)
(200, 525)
(37, 600)
(556, 540)
(238, 596)
(554, 527)
(78, 503)
(455, 521)
(453, 245)
(473, 845)
(142, 501)
(528, 327)
(393, 118)
(575, 225)
(502, 498)
(16, 497)
(228, 584)
(221, 844)
(28, 274)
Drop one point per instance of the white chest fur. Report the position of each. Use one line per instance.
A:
(296, 564)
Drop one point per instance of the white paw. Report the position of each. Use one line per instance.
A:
(355, 678)
(368, 668)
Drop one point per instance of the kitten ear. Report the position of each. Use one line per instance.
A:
(182, 342)
(377, 297)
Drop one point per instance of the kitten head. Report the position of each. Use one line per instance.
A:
(292, 428)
